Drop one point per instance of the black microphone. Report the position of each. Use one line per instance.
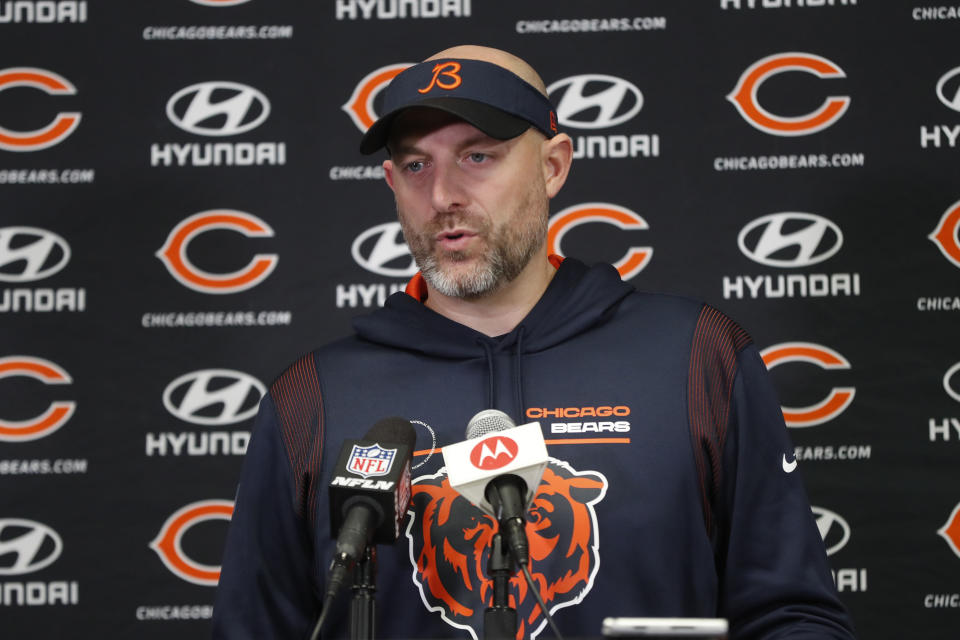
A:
(369, 493)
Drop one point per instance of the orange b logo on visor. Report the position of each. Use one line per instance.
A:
(448, 70)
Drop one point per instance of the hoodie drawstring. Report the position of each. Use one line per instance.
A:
(518, 375)
(491, 383)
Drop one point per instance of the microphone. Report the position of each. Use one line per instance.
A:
(369, 493)
(498, 468)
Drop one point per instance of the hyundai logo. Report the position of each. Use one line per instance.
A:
(213, 396)
(27, 546)
(218, 108)
(951, 382)
(595, 101)
(833, 529)
(948, 89)
(382, 250)
(790, 239)
(29, 253)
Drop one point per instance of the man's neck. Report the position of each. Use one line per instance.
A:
(502, 310)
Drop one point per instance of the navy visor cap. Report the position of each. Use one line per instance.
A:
(489, 97)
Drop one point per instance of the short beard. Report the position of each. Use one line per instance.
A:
(509, 249)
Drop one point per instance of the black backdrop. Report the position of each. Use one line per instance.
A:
(216, 137)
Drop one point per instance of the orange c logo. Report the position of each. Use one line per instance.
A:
(839, 398)
(945, 236)
(360, 105)
(55, 132)
(744, 95)
(56, 414)
(629, 265)
(448, 69)
(173, 253)
(168, 545)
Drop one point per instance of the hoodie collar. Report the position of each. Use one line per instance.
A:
(576, 298)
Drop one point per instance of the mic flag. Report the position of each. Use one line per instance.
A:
(495, 448)
(375, 472)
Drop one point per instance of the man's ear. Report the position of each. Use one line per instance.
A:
(557, 155)
(388, 172)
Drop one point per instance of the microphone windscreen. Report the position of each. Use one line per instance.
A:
(393, 430)
(488, 421)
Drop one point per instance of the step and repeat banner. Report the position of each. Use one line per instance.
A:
(184, 211)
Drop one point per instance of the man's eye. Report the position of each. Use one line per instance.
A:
(415, 166)
(477, 157)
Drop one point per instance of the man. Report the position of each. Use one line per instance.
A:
(668, 492)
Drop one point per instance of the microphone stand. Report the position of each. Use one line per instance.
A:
(500, 620)
(363, 606)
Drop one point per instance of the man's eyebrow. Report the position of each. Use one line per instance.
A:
(403, 150)
(478, 139)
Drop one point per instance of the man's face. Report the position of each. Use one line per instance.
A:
(473, 209)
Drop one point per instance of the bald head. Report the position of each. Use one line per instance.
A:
(498, 57)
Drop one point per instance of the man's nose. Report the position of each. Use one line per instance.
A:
(448, 189)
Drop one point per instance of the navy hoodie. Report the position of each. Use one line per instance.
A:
(669, 490)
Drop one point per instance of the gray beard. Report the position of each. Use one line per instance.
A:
(508, 252)
(500, 266)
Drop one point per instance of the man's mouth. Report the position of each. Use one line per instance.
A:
(455, 239)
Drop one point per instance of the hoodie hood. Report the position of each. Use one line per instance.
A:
(577, 298)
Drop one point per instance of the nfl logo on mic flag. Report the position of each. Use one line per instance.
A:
(370, 461)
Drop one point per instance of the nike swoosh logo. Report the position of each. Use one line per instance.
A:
(788, 467)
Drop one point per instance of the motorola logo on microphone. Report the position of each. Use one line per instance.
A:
(494, 453)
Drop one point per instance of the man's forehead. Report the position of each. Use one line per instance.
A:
(417, 122)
